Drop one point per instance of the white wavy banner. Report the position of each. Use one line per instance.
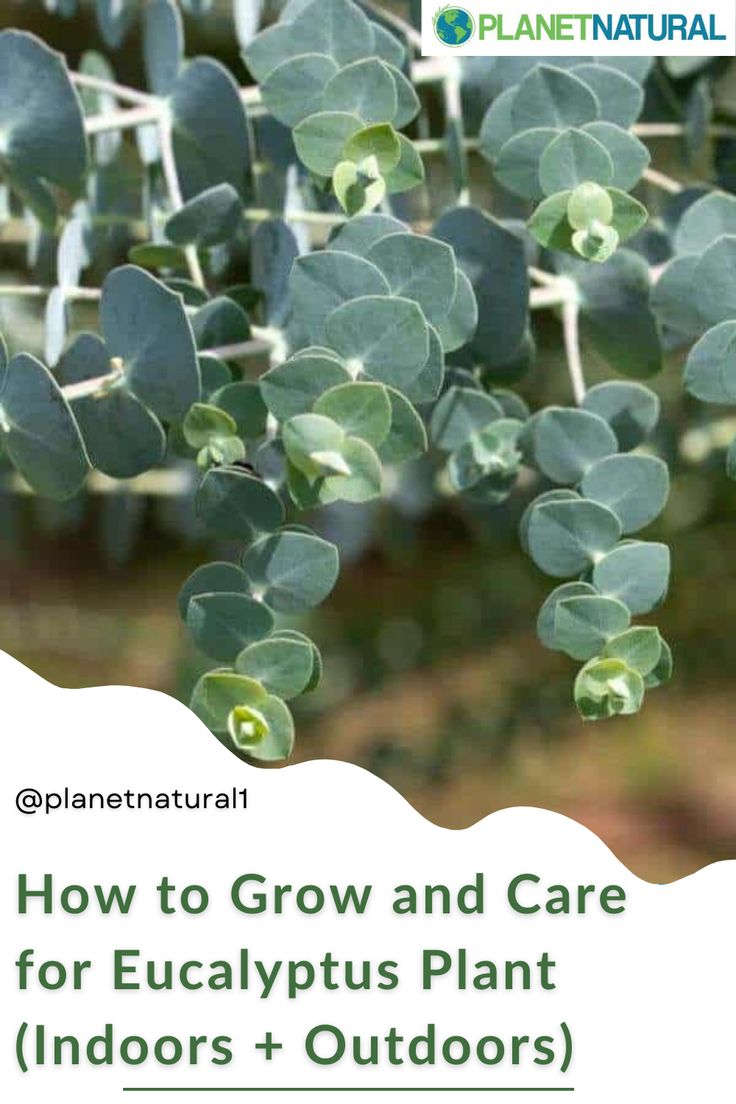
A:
(158, 950)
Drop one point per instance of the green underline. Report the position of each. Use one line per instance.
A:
(350, 1090)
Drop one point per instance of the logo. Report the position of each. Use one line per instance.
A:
(453, 26)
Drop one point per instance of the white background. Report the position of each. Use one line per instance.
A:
(601, 47)
(648, 996)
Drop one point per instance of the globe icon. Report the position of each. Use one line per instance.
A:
(454, 26)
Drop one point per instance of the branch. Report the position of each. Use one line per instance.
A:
(570, 330)
(661, 180)
(168, 164)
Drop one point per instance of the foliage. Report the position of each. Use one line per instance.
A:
(389, 346)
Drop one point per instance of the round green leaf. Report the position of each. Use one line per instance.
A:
(409, 170)
(292, 571)
(573, 158)
(382, 337)
(517, 166)
(294, 386)
(361, 409)
(606, 688)
(314, 444)
(637, 573)
(631, 410)
(236, 505)
(620, 97)
(121, 435)
(244, 404)
(278, 741)
(223, 623)
(497, 126)
(38, 430)
(566, 443)
(146, 326)
(359, 234)
(377, 143)
(427, 384)
(551, 97)
(212, 578)
(163, 45)
(321, 282)
(629, 216)
(584, 623)
(673, 300)
(294, 90)
(407, 437)
(565, 537)
(320, 139)
(629, 156)
(640, 648)
(460, 413)
(634, 487)
(219, 692)
(546, 616)
(362, 480)
(550, 223)
(365, 88)
(557, 494)
(710, 372)
(418, 268)
(458, 326)
(715, 281)
(704, 222)
(282, 665)
(209, 219)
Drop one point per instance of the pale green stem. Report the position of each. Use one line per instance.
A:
(661, 180)
(119, 91)
(570, 330)
(171, 176)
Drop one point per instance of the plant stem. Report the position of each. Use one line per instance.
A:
(36, 291)
(661, 180)
(570, 330)
(119, 91)
(318, 218)
(86, 388)
(122, 120)
(168, 164)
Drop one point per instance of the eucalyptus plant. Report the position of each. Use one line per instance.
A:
(290, 218)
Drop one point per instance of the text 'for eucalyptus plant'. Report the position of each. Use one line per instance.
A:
(389, 341)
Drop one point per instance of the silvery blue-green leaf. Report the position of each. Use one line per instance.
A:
(360, 409)
(635, 572)
(699, 111)
(418, 268)
(294, 90)
(346, 34)
(635, 66)
(584, 623)
(552, 97)
(550, 223)
(620, 97)
(629, 216)
(274, 249)
(459, 414)
(631, 410)
(492, 452)
(245, 405)
(56, 324)
(518, 161)
(407, 437)
(222, 624)
(313, 444)
(220, 692)
(497, 126)
(458, 326)
(673, 300)
(43, 138)
(634, 487)
(211, 137)
(710, 372)
(408, 105)
(640, 648)
(212, 578)
(363, 478)
(238, 506)
(163, 45)
(145, 325)
(320, 139)
(513, 405)
(214, 374)
(273, 46)
(706, 220)
(113, 19)
(494, 260)
(567, 443)
(365, 88)
(205, 423)
(427, 384)
(567, 536)
(382, 337)
(546, 616)
(292, 571)
(715, 281)
(220, 322)
(573, 158)
(37, 428)
(292, 634)
(409, 172)
(557, 494)
(321, 282)
(630, 157)
(662, 673)
(387, 46)
(209, 219)
(616, 316)
(608, 688)
(294, 386)
(122, 437)
(360, 233)
(282, 665)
